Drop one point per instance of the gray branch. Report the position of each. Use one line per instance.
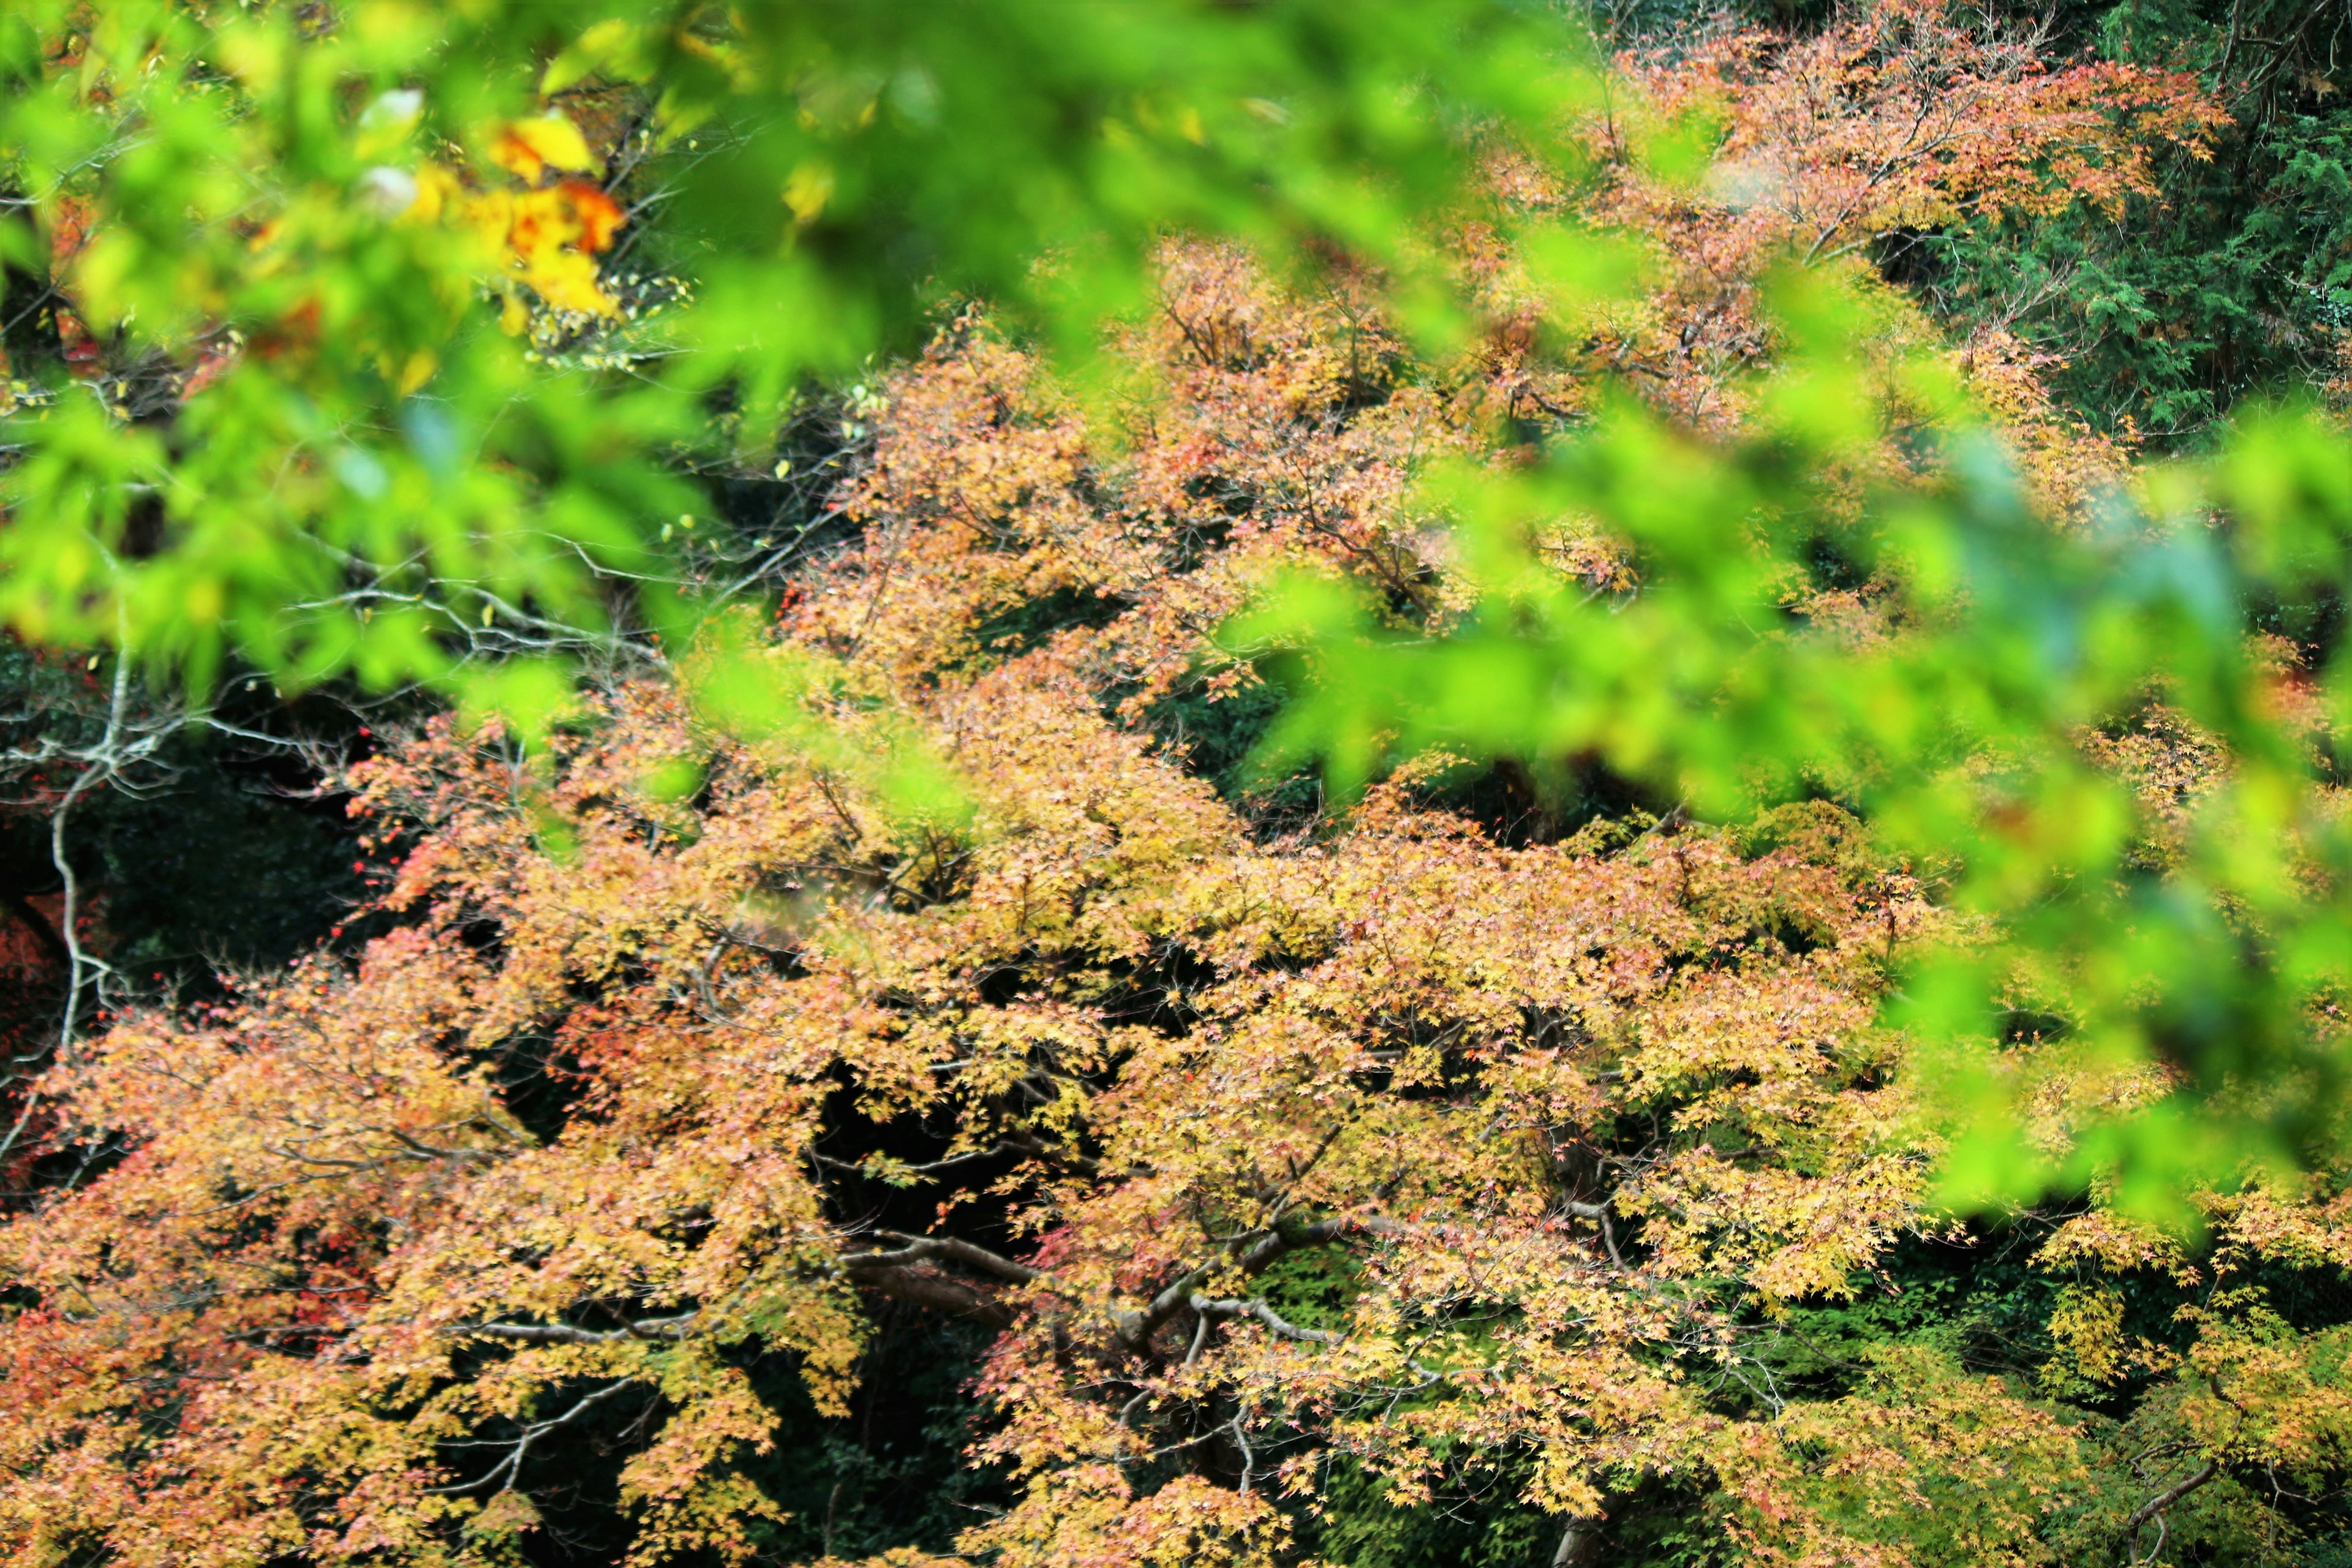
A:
(675, 1328)
(507, 1469)
(929, 1248)
(1257, 1308)
(2153, 1508)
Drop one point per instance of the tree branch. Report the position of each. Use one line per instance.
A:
(1136, 1329)
(511, 1466)
(1256, 1307)
(896, 1272)
(937, 1292)
(958, 1251)
(675, 1328)
(2156, 1505)
(1580, 1544)
(1608, 1232)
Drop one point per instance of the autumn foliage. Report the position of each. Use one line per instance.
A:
(1464, 1137)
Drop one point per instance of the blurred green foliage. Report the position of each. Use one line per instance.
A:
(394, 435)
(1954, 727)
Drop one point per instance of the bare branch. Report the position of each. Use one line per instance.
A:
(2154, 1506)
(675, 1328)
(1257, 1308)
(1599, 1212)
(925, 1248)
(507, 1469)
(1135, 1329)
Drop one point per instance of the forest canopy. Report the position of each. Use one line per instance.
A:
(1094, 786)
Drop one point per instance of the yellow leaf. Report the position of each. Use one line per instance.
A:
(530, 147)
(808, 191)
(436, 188)
(417, 371)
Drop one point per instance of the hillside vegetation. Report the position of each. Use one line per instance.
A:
(1135, 787)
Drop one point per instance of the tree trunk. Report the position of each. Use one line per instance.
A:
(1580, 1544)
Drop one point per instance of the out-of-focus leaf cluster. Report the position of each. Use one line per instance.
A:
(340, 366)
(1963, 692)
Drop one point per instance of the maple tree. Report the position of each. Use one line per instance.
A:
(1535, 1121)
(1268, 1147)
